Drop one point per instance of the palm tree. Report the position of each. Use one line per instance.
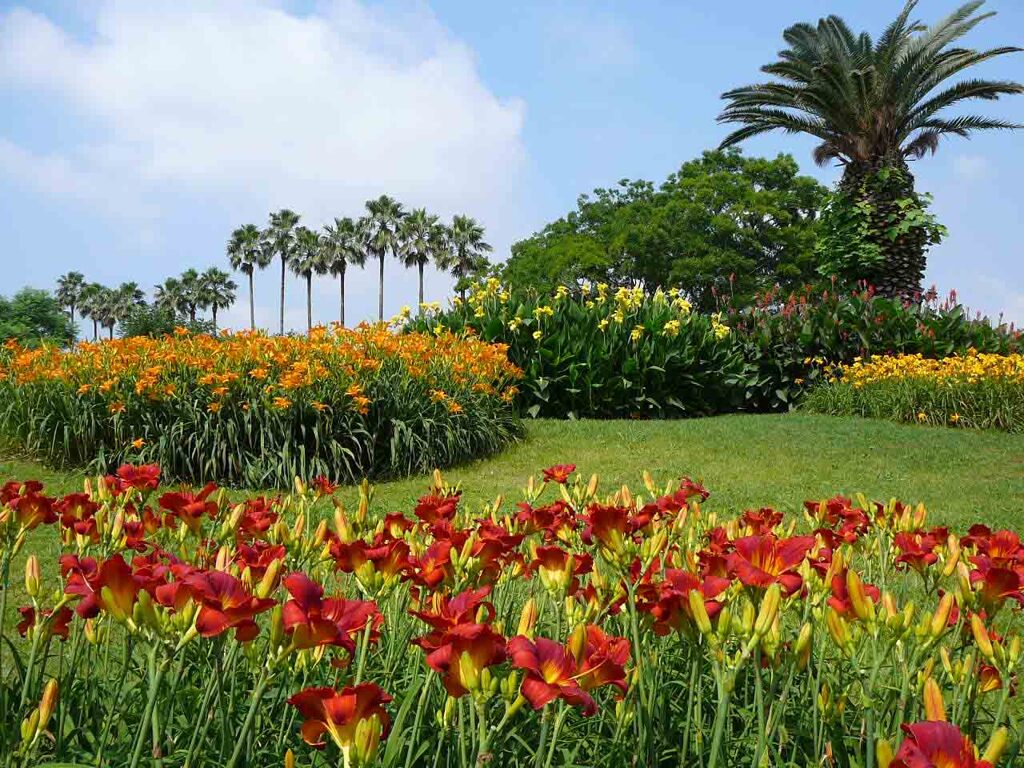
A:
(424, 237)
(192, 297)
(218, 291)
(247, 253)
(380, 229)
(308, 257)
(342, 247)
(88, 305)
(170, 297)
(873, 106)
(280, 238)
(105, 308)
(69, 291)
(467, 255)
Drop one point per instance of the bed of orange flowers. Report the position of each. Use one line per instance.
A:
(345, 403)
(579, 627)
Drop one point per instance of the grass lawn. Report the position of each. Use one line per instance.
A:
(745, 461)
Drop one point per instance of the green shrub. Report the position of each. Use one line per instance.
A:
(603, 354)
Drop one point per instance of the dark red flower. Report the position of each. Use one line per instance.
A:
(995, 585)
(559, 473)
(761, 521)
(559, 570)
(224, 603)
(323, 486)
(551, 672)
(760, 561)
(77, 514)
(32, 509)
(434, 507)
(258, 556)
(917, 550)
(668, 602)
(58, 625)
(257, 517)
(109, 587)
(840, 598)
(190, 507)
(388, 557)
(936, 745)
(434, 566)
(143, 477)
(462, 653)
(339, 713)
(313, 620)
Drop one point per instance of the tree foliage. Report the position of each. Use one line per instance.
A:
(721, 223)
(33, 316)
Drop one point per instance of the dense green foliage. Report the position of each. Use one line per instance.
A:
(873, 105)
(597, 352)
(155, 320)
(722, 224)
(33, 317)
(604, 353)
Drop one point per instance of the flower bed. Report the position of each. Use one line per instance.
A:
(973, 390)
(256, 410)
(577, 627)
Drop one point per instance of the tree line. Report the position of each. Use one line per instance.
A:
(415, 237)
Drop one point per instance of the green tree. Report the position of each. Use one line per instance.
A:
(342, 247)
(88, 305)
(722, 224)
(874, 105)
(248, 252)
(192, 297)
(381, 235)
(424, 239)
(217, 290)
(280, 239)
(170, 296)
(309, 257)
(467, 254)
(69, 292)
(32, 317)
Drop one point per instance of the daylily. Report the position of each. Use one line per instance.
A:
(760, 561)
(190, 507)
(144, 477)
(354, 718)
(462, 653)
(559, 473)
(936, 744)
(313, 620)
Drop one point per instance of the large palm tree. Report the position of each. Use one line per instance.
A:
(280, 240)
(170, 297)
(308, 258)
(341, 248)
(467, 254)
(247, 252)
(89, 303)
(69, 291)
(218, 291)
(874, 105)
(381, 231)
(424, 237)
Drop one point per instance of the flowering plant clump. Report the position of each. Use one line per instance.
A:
(603, 352)
(972, 390)
(577, 627)
(257, 410)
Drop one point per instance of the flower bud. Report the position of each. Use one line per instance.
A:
(577, 644)
(862, 605)
(32, 576)
(769, 610)
(996, 746)
(803, 646)
(883, 753)
(934, 708)
(289, 759)
(30, 726)
(367, 740)
(527, 619)
(48, 703)
(700, 612)
(981, 637)
(269, 580)
(940, 619)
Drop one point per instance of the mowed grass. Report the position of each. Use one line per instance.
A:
(746, 461)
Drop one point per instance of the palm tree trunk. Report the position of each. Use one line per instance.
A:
(74, 330)
(95, 330)
(341, 298)
(111, 331)
(252, 306)
(420, 265)
(309, 303)
(282, 294)
(214, 308)
(380, 296)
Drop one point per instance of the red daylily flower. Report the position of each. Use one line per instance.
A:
(761, 521)
(390, 558)
(668, 602)
(313, 620)
(559, 570)
(550, 673)
(32, 509)
(433, 566)
(58, 625)
(917, 550)
(557, 520)
(760, 561)
(559, 473)
(13, 489)
(339, 713)
(604, 660)
(77, 514)
(257, 517)
(840, 598)
(323, 486)
(996, 585)
(258, 556)
(433, 508)
(462, 653)
(143, 477)
(224, 603)
(109, 587)
(936, 745)
(190, 507)
(444, 614)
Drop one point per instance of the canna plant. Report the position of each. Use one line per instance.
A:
(579, 627)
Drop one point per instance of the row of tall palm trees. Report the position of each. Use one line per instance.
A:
(183, 296)
(416, 238)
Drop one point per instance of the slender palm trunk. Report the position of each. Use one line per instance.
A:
(214, 308)
(74, 329)
(282, 294)
(380, 296)
(95, 330)
(341, 298)
(111, 332)
(192, 313)
(309, 303)
(420, 265)
(252, 306)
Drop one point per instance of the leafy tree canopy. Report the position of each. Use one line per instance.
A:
(33, 316)
(721, 223)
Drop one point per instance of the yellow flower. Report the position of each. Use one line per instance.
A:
(137, 443)
(214, 407)
(922, 416)
(603, 324)
(537, 334)
(282, 402)
(117, 407)
(514, 323)
(319, 407)
(637, 333)
(671, 328)
(955, 418)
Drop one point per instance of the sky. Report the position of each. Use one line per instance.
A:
(135, 136)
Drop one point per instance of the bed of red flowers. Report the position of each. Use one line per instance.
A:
(575, 628)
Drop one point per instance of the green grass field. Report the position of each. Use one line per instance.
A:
(963, 476)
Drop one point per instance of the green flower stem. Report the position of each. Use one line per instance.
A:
(157, 672)
(250, 717)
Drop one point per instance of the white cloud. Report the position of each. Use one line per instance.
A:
(243, 107)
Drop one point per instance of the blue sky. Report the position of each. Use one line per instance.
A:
(135, 136)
